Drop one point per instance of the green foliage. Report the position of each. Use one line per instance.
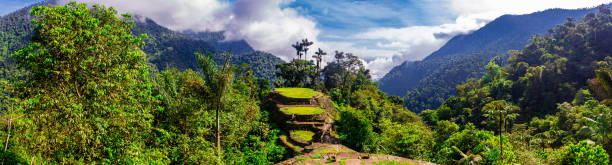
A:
(372, 122)
(184, 118)
(582, 96)
(87, 97)
(426, 84)
(498, 113)
(345, 75)
(473, 145)
(412, 140)
(164, 48)
(444, 129)
(259, 148)
(297, 73)
(9, 157)
(584, 153)
(355, 129)
(187, 120)
(540, 80)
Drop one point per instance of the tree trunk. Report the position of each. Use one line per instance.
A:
(220, 103)
(218, 131)
(501, 145)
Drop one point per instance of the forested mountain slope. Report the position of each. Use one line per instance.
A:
(90, 97)
(164, 47)
(426, 84)
(218, 40)
(551, 95)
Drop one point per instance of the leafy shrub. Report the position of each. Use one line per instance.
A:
(584, 153)
(355, 129)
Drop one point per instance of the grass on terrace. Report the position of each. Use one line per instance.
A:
(333, 149)
(302, 110)
(302, 135)
(296, 147)
(300, 93)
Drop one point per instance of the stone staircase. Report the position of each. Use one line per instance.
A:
(312, 125)
(309, 132)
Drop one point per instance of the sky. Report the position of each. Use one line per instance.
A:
(8, 6)
(383, 33)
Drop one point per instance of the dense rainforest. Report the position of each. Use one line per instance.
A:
(83, 90)
(164, 47)
(425, 84)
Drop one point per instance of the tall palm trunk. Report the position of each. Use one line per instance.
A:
(223, 84)
(501, 144)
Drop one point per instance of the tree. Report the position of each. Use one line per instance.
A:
(319, 57)
(339, 56)
(220, 82)
(500, 111)
(299, 49)
(298, 72)
(88, 94)
(305, 44)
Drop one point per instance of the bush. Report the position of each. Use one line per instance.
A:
(584, 153)
(355, 129)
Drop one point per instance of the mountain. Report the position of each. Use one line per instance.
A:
(164, 48)
(426, 84)
(217, 39)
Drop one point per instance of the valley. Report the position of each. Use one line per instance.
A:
(83, 83)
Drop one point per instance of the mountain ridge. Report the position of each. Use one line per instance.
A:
(164, 47)
(507, 32)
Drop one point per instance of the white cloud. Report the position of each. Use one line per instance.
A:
(268, 26)
(412, 43)
(488, 9)
(416, 42)
(262, 23)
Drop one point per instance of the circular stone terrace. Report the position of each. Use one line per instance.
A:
(308, 119)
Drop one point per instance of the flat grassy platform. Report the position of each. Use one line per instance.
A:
(302, 135)
(300, 93)
(302, 110)
(285, 140)
(333, 149)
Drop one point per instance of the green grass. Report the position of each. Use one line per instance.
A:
(300, 93)
(302, 135)
(296, 147)
(332, 149)
(392, 162)
(302, 110)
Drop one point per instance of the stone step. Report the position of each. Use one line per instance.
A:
(302, 137)
(306, 123)
(287, 142)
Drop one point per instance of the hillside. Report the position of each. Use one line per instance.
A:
(91, 97)
(218, 40)
(168, 48)
(165, 48)
(426, 84)
(307, 118)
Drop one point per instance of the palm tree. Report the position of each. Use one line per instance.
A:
(219, 83)
(500, 111)
(319, 57)
(298, 48)
(305, 44)
(339, 56)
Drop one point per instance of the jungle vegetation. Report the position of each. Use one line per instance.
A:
(84, 91)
